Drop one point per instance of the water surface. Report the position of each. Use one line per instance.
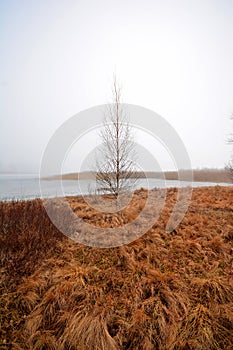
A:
(27, 186)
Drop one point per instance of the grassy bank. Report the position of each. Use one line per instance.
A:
(162, 291)
(202, 175)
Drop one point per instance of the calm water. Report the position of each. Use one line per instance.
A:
(27, 186)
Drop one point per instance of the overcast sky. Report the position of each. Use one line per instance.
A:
(174, 57)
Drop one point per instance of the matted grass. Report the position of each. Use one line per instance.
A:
(162, 291)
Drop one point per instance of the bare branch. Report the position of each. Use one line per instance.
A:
(229, 166)
(115, 172)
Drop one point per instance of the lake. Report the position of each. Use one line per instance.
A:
(27, 186)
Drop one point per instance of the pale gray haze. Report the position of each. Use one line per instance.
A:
(58, 57)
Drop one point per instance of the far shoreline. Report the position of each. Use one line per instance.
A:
(203, 175)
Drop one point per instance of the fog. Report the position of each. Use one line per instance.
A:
(58, 58)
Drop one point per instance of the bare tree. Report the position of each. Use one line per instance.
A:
(230, 164)
(116, 171)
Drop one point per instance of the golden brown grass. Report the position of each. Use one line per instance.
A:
(163, 291)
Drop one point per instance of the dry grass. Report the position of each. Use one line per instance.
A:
(163, 291)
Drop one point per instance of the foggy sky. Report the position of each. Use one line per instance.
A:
(174, 57)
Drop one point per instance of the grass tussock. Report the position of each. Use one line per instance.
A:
(163, 291)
